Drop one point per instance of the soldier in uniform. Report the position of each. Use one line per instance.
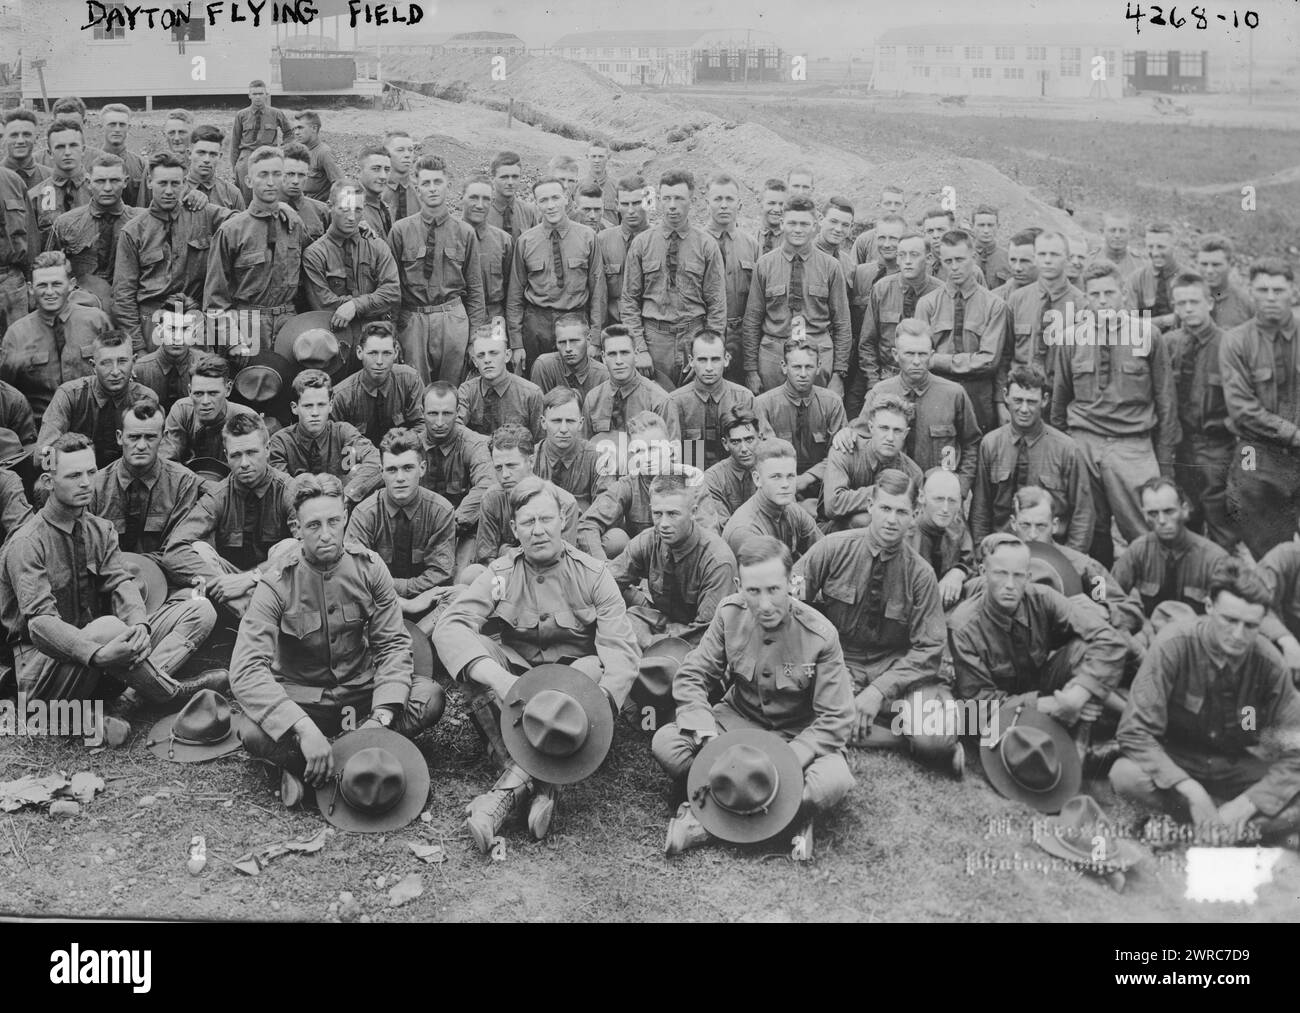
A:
(89, 235)
(258, 126)
(731, 481)
(513, 456)
(458, 464)
(940, 536)
(615, 241)
(768, 236)
(772, 509)
(314, 213)
(323, 643)
(787, 675)
(195, 424)
(598, 174)
(564, 458)
(707, 396)
(14, 258)
(1033, 309)
(1230, 304)
(740, 253)
(1021, 266)
(626, 393)
(315, 444)
(384, 394)
(325, 171)
(372, 175)
(507, 212)
(990, 258)
(18, 145)
(892, 202)
(496, 396)
(849, 473)
(63, 190)
(551, 603)
(205, 153)
(571, 364)
(893, 298)
(495, 246)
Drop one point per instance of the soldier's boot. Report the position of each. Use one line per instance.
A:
(484, 815)
(684, 831)
(542, 809)
(151, 683)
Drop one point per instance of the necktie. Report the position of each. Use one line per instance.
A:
(671, 594)
(400, 564)
(433, 476)
(710, 424)
(1022, 462)
(909, 444)
(1169, 589)
(105, 248)
(674, 246)
(257, 128)
(559, 472)
(378, 424)
(795, 295)
(557, 258)
(137, 506)
(80, 584)
(350, 264)
(66, 187)
(909, 302)
(208, 441)
(958, 321)
(508, 217)
(314, 458)
(60, 336)
(401, 201)
(1103, 365)
(874, 603)
(723, 242)
(802, 436)
(169, 223)
(934, 549)
(106, 426)
(767, 240)
(430, 250)
(618, 414)
(172, 383)
(1022, 661)
(272, 235)
(1161, 305)
(252, 554)
(492, 409)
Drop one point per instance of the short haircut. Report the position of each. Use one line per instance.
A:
(69, 104)
(297, 151)
(676, 177)
(1158, 483)
(547, 180)
(936, 213)
(891, 188)
(644, 421)
(1029, 496)
(309, 116)
(561, 395)
(892, 219)
(631, 182)
(775, 185)
(113, 339)
(799, 170)
(400, 441)
(984, 209)
(722, 179)
(799, 202)
(378, 329)
(614, 331)
(1029, 376)
(52, 258)
(1217, 244)
(486, 332)
(1272, 266)
(1053, 234)
(911, 234)
(773, 448)
(1236, 577)
(60, 125)
(245, 424)
(563, 162)
(892, 403)
(671, 484)
(896, 483)
(529, 489)
(114, 107)
(184, 115)
(208, 364)
(264, 154)
(736, 418)
(257, 82)
(758, 549)
(165, 160)
(144, 408)
(439, 388)
(912, 327)
(391, 134)
(307, 487)
(209, 134)
(596, 143)
(340, 186)
(478, 177)
(1188, 279)
(590, 190)
(179, 301)
(840, 204)
(571, 320)
(314, 378)
(997, 540)
(1025, 237)
(20, 114)
(70, 443)
(710, 338)
(1163, 228)
(1101, 269)
(108, 161)
(371, 151)
(505, 158)
(430, 163)
(956, 237)
(512, 436)
(796, 345)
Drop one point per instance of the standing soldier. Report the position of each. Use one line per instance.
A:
(14, 258)
(117, 125)
(705, 399)
(797, 291)
(205, 154)
(507, 212)
(64, 189)
(589, 208)
(256, 260)
(1151, 283)
(768, 237)
(495, 246)
(615, 241)
(598, 173)
(18, 144)
(315, 215)
(893, 298)
(1230, 304)
(442, 282)
(609, 405)
(1038, 313)
(177, 127)
(372, 174)
(324, 172)
(673, 284)
(990, 258)
(555, 269)
(89, 235)
(1117, 230)
(1020, 264)
(892, 203)
(258, 126)
(739, 252)
(400, 192)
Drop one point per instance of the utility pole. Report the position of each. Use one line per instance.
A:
(1250, 69)
(746, 58)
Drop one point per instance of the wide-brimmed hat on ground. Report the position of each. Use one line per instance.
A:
(12, 449)
(1033, 759)
(1083, 833)
(654, 682)
(1048, 565)
(309, 342)
(380, 783)
(745, 786)
(209, 469)
(149, 575)
(557, 724)
(203, 729)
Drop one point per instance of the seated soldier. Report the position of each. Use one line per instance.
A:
(177, 327)
(687, 569)
(703, 401)
(884, 600)
(940, 536)
(787, 675)
(74, 612)
(140, 494)
(772, 509)
(93, 405)
(196, 423)
(512, 452)
(570, 365)
(412, 529)
(850, 473)
(488, 401)
(564, 458)
(1211, 692)
(237, 525)
(323, 643)
(622, 510)
(317, 445)
(458, 465)
(731, 481)
(626, 394)
(16, 414)
(804, 415)
(551, 604)
(1280, 571)
(384, 394)
(1018, 641)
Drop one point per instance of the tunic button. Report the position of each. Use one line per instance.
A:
(332, 609)
(543, 617)
(767, 673)
(541, 580)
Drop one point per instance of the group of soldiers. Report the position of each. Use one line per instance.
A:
(572, 422)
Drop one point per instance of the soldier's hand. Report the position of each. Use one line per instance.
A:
(754, 382)
(645, 365)
(316, 750)
(845, 440)
(518, 359)
(195, 200)
(867, 706)
(344, 315)
(1234, 814)
(119, 652)
(1203, 810)
(836, 385)
(950, 587)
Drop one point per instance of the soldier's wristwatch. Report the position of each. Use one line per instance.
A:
(383, 715)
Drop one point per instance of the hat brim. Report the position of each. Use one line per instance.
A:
(1127, 853)
(1071, 582)
(734, 827)
(1071, 766)
(414, 766)
(209, 468)
(600, 724)
(315, 320)
(159, 742)
(421, 649)
(284, 368)
(669, 652)
(151, 579)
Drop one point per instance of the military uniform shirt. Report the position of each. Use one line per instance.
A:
(171, 491)
(686, 583)
(433, 538)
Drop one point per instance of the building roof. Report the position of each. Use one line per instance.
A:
(1003, 35)
(668, 38)
(484, 37)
